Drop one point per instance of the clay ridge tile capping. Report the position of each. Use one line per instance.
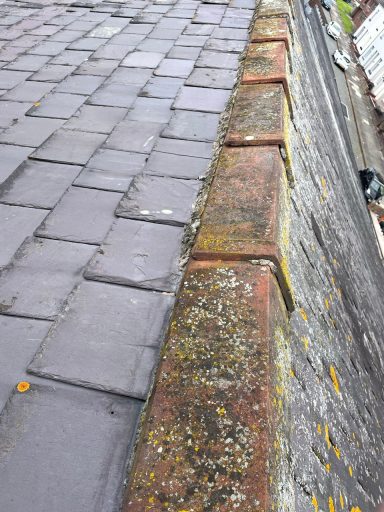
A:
(213, 437)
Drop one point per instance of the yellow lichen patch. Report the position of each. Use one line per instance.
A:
(279, 390)
(337, 451)
(350, 471)
(305, 341)
(152, 475)
(315, 504)
(331, 504)
(327, 304)
(355, 509)
(23, 386)
(292, 372)
(328, 441)
(341, 501)
(328, 467)
(151, 499)
(303, 314)
(319, 428)
(332, 373)
(221, 411)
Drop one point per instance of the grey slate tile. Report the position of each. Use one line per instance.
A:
(112, 51)
(184, 52)
(11, 157)
(16, 224)
(184, 147)
(111, 170)
(211, 59)
(225, 45)
(80, 84)
(19, 340)
(52, 73)
(105, 31)
(212, 78)
(50, 48)
(155, 45)
(229, 22)
(42, 275)
(130, 76)
(202, 99)
(82, 26)
(87, 423)
(30, 131)
(179, 68)
(238, 34)
(196, 29)
(9, 79)
(98, 67)
(192, 126)
(52, 179)
(82, 215)
(115, 95)
(150, 109)
(30, 92)
(143, 60)
(140, 28)
(140, 254)
(66, 36)
(28, 63)
(134, 136)
(165, 33)
(146, 17)
(127, 39)
(11, 111)
(198, 41)
(71, 57)
(176, 166)
(91, 118)
(87, 43)
(162, 87)
(57, 106)
(69, 146)
(108, 339)
(159, 199)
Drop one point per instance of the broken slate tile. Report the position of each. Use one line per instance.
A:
(52, 73)
(188, 125)
(212, 78)
(87, 423)
(28, 63)
(150, 109)
(98, 67)
(133, 321)
(16, 224)
(143, 60)
(11, 157)
(202, 99)
(184, 147)
(53, 179)
(69, 146)
(57, 106)
(30, 92)
(139, 254)
(159, 199)
(179, 68)
(91, 118)
(80, 84)
(29, 131)
(19, 340)
(42, 274)
(82, 215)
(134, 136)
(115, 95)
(111, 170)
(162, 87)
(176, 166)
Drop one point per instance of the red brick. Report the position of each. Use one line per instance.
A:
(258, 116)
(208, 439)
(271, 29)
(267, 63)
(246, 215)
(274, 8)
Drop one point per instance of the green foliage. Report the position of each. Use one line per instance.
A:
(345, 11)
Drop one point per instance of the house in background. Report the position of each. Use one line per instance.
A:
(369, 42)
(364, 10)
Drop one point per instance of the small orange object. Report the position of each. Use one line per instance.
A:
(23, 386)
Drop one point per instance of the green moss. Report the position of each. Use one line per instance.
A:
(345, 10)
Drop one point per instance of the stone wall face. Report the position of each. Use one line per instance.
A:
(336, 392)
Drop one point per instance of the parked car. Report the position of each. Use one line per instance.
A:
(342, 59)
(326, 4)
(333, 30)
(373, 184)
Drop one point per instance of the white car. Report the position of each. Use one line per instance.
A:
(342, 59)
(333, 30)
